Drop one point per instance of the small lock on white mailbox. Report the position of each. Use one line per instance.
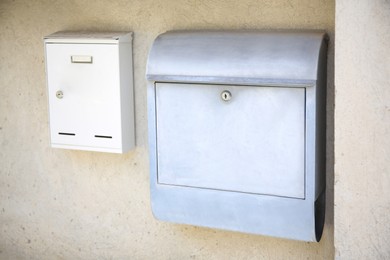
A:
(90, 90)
(237, 131)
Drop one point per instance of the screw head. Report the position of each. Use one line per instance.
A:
(59, 94)
(226, 95)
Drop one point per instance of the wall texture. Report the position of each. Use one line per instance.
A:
(362, 130)
(63, 204)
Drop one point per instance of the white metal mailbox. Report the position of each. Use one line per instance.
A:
(90, 90)
(237, 130)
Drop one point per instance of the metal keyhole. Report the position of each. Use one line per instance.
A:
(226, 95)
(59, 94)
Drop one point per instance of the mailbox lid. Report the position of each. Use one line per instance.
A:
(237, 57)
(254, 143)
(89, 37)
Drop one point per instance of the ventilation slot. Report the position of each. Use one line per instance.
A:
(72, 134)
(103, 136)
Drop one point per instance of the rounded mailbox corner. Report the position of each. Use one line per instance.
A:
(155, 212)
(319, 215)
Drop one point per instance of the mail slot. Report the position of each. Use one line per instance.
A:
(237, 131)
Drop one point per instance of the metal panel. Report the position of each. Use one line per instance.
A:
(252, 143)
(89, 106)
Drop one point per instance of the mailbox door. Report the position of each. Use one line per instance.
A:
(88, 112)
(253, 142)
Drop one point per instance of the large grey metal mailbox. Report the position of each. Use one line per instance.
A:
(237, 130)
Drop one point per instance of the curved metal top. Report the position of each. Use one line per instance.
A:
(236, 56)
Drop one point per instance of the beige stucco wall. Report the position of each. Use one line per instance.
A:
(362, 129)
(63, 204)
